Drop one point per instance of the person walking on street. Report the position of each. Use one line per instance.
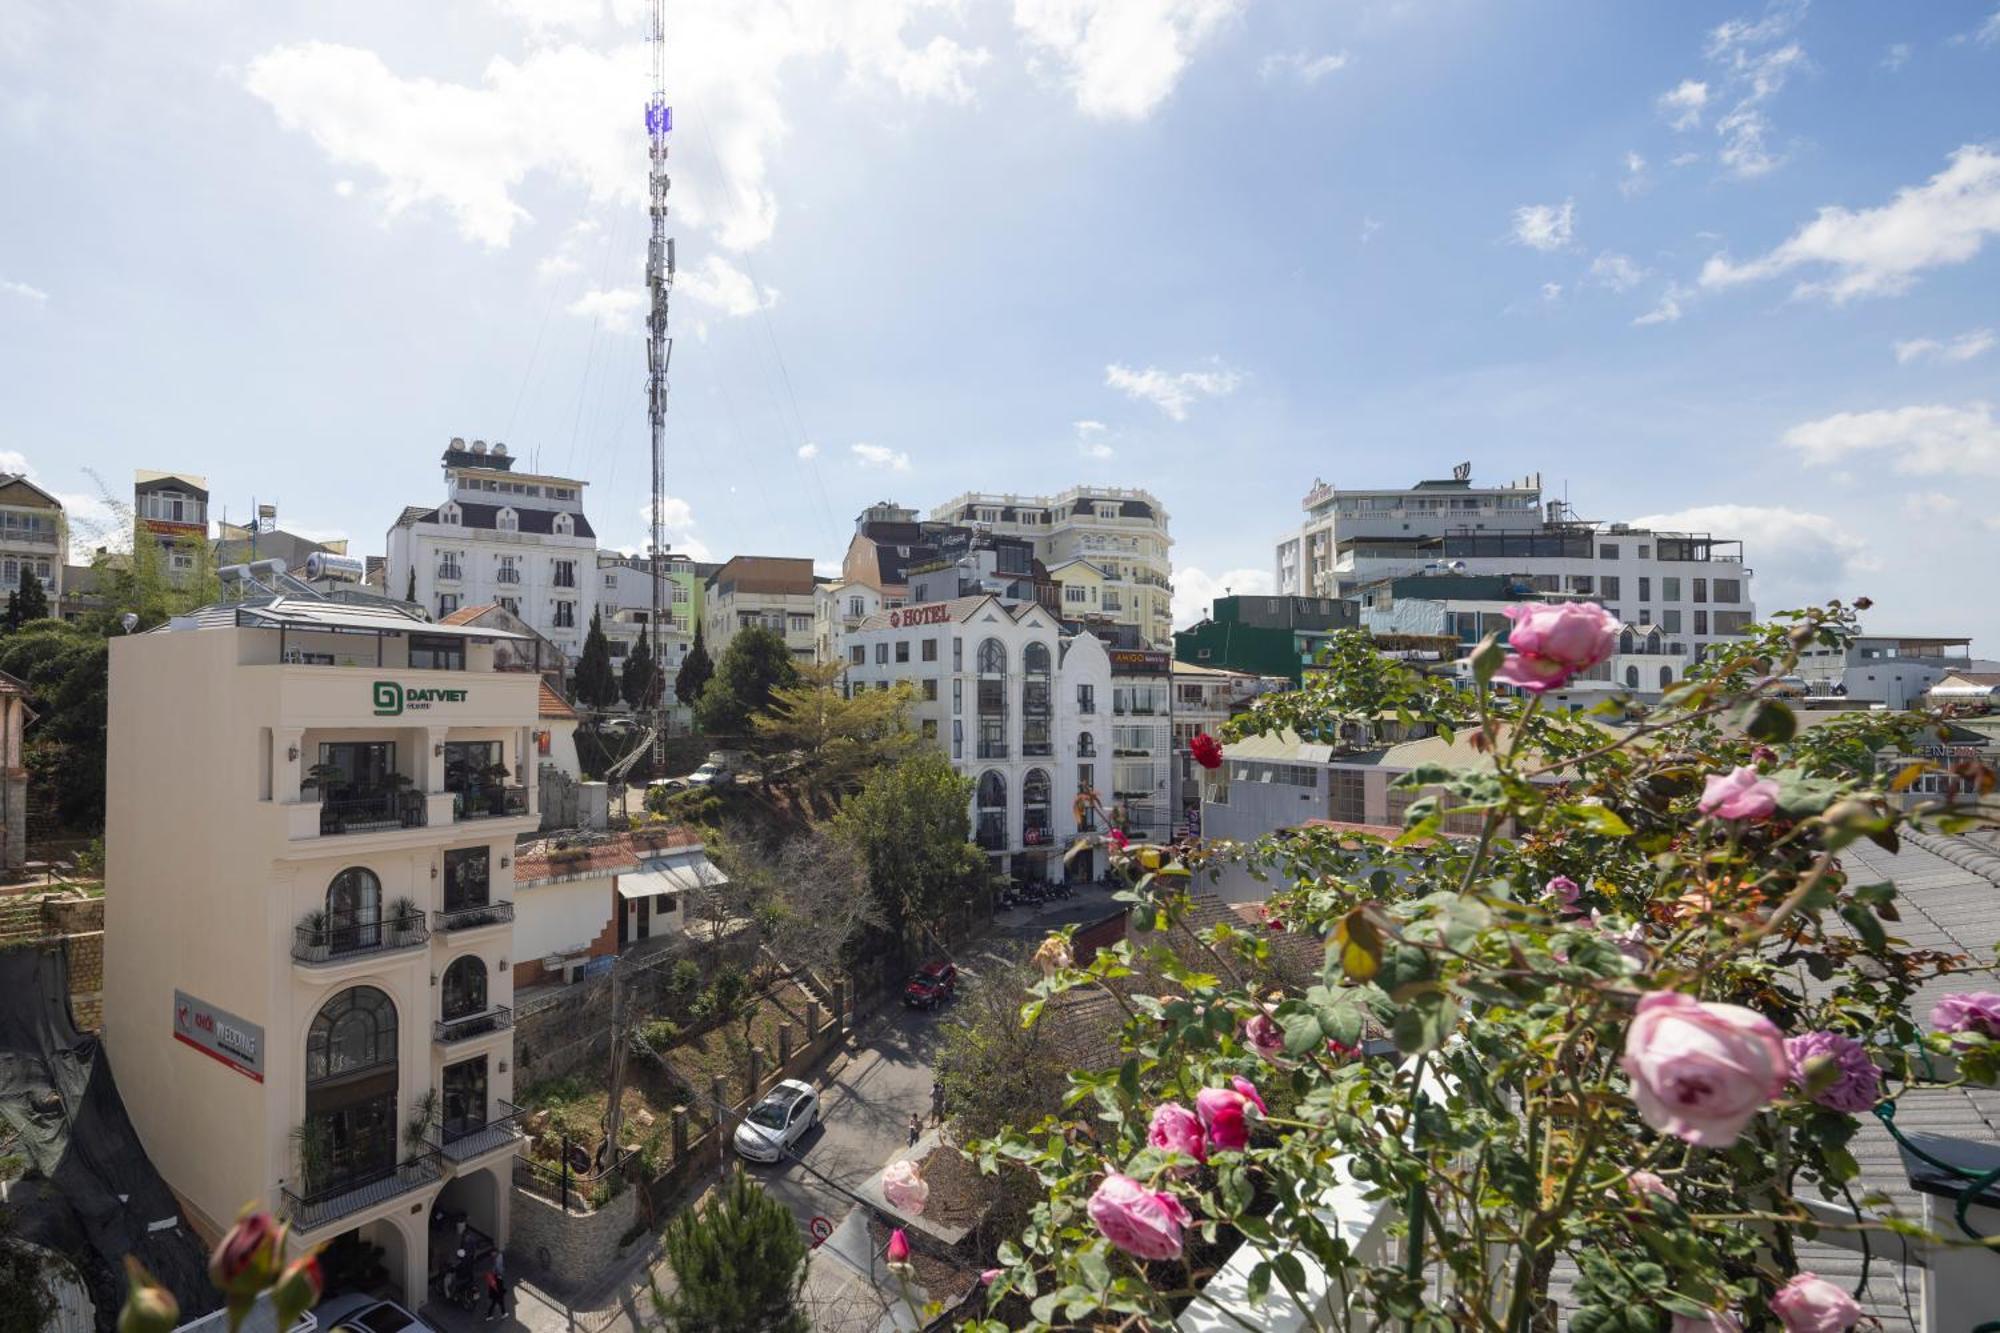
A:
(937, 1102)
(496, 1292)
(916, 1129)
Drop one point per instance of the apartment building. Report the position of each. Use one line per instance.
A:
(1891, 669)
(1266, 636)
(170, 510)
(1204, 699)
(778, 593)
(1142, 742)
(310, 809)
(1021, 708)
(838, 610)
(501, 537)
(1309, 562)
(34, 538)
(625, 600)
(1122, 532)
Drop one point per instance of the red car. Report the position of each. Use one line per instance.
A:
(934, 983)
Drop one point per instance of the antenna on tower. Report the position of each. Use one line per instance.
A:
(659, 352)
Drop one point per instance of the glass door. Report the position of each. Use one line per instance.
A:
(464, 1098)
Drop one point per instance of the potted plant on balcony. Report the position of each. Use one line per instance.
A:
(405, 922)
(317, 946)
(312, 1148)
(407, 804)
(494, 787)
(417, 1129)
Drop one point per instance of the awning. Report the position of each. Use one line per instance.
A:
(1961, 691)
(675, 872)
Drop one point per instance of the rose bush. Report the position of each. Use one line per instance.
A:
(1550, 1026)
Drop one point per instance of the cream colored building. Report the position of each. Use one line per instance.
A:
(1120, 531)
(778, 593)
(311, 810)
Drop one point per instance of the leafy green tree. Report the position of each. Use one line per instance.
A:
(739, 1265)
(25, 1299)
(66, 670)
(139, 581)
(28, 602)
(837, 739)
(756, 663)
(637, 681)
(596, 682)
(694, 673)
(911, 824)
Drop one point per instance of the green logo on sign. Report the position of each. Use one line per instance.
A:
(388, 698)
(391, 699)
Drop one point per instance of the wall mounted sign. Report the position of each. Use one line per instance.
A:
(393, 700)
(219, 1034)
(909, 617)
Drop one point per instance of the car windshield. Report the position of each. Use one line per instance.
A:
(769, 1114)
(385, 1318)
(920, 981)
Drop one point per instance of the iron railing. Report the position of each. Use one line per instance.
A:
(992, 834)
(333, 944)
(992, 749)
(490, 803)
(575, 1176)
(372, 812)
(448, 1030)
(465, 918)
(463, 1142)
(310, 1210)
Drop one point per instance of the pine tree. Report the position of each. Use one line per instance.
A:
(739, 1263)
(755, 663)
(638, 675)
(596, 684)
(694, 673)
(31, 602)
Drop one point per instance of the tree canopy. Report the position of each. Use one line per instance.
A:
(837, 740)
(911, 824)
(739, 1264)
(695, 670)
(755, 663)
(28, 602)
(596, 682)
(636, 682)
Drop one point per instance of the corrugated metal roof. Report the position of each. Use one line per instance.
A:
(304, 613)
(676, 872)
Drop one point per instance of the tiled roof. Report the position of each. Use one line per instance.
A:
(540, 862)
(554, 705)
(466, 615)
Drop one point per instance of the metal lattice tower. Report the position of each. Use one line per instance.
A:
(659, 352)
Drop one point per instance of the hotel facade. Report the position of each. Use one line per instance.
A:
(312, 807)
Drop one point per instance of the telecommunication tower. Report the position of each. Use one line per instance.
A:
(659, 352)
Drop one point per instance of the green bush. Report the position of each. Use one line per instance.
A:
(659, 1033)
(727, 989)
(684, 979)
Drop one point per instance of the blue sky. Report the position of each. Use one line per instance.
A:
(1733, 265)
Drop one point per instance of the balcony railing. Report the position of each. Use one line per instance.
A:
(490, 803)
(309, 1211)
(462, 1143)
(1033, 749)
(335, 944)
(445, 1031)
(372, 812)
(466, 918)
(992, 835)
(992, 749)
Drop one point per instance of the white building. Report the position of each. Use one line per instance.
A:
(34, 539)
(838, 610)
(1142, 781)
(778, 593)
(625, 600)
(1205, 698)
(503, 537)
(1308, 560)
(1019, 707)
(310, 809)
(1891, 669)
(1122, 532)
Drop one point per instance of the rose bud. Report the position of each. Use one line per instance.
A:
(149, 1307)
(298, 1289)
(246, 1260)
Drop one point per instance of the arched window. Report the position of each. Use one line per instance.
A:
(449, 514)
(1035, 787)
(562, 525)
(1086, 745)
(1035, 659)
(1666, 677)
(354, 910)
(1632, 677)
(1625, 641)
(992, 658)
(992, 790)
(507, 521)
(353, 1032)
(464, 987)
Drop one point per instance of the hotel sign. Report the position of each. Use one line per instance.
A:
(393, 700)
(219, 1034)
(909, 617)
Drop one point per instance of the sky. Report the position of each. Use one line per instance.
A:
(1731, 267)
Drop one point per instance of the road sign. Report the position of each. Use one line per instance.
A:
(820, 1229)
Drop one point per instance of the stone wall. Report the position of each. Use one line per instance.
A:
(558, 1034)
(569, 1248)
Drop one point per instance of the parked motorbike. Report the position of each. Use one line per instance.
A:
(458, 1284)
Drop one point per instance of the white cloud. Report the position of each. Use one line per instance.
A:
(1929, 504)
(1090, 440)
(1923, 440)
(568, 256)
(1302, 65)
(677, 522)
(1962, 348)
(808, 451)
(1683, 104)
(13, 462)
(720, 285)
(1369, 226)
(344, 188)
(1800, 557)
(1195, 590)
(1172, 393)
(1879, 251)
(1896, 57)
(1122, 58)
(1552, 291)
(1684, 159)
(32, 295)
(1667, 310)
(619, 308)
(1989, 31)
(1636, 180)
(566, 109)
(1616, 271)
(878, 456)
(1545, 227)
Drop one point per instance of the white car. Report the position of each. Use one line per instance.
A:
(365, 1314)
(773, 1126)
(708, 775)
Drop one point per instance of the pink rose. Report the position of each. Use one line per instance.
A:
(906, 1190)
(989, 1277)
(1176, 1129)
(1118, 839)
(899, 1247)
(1143, 1223)
(1712, 1321)
(1552, 641)
(1262, 1034)
(1975, 1011)
(1224, 1113)
(1647, 1182)
(1566, 891)
(1811, 1304)
(1249, 1092)
(1701, 1071)
(1740, 795)
(1857, 1083)
(1630, 941)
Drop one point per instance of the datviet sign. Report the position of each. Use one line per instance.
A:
(393, 700)
(219, 1034)
(909, 617)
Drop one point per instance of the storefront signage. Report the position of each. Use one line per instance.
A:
(393, 700)
(909, 617)
(1138, 659)
(219, 1034)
